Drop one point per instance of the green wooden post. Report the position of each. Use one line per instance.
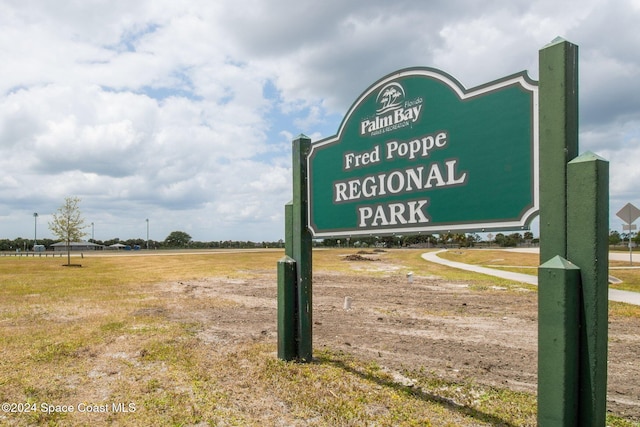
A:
(287, 294)
(558, 333)
(301, 247)
(287, 302)
(288, 229)
(588, 215)
(558, 127)
(558, 133)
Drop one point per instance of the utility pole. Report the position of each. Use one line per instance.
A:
(35, 230)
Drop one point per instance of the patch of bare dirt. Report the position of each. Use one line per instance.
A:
(358, 257)
(487, 336)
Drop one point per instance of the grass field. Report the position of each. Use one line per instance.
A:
(93, 346)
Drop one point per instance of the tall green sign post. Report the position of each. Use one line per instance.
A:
(419, 153)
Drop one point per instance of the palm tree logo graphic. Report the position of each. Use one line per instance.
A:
(390, 97)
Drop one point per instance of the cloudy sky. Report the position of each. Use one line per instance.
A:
(183, 112)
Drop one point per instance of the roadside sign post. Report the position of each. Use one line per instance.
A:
(629, 228)
(629, 213)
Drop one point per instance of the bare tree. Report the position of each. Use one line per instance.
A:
(68, 224)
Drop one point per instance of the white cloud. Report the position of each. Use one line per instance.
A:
(183, 112)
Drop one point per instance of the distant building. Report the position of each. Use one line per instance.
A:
(76, 246)
(117, 246)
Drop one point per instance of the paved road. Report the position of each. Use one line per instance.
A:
(614, 294)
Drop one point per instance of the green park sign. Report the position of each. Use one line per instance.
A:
(417, 152)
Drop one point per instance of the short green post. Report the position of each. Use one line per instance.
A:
(287, 294)
(588, 219)
(302, 246)
(288, 229)
(287, 301)
(558, 333)
(294, 270)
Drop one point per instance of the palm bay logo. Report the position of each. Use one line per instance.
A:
(393, 111)
(390, 98)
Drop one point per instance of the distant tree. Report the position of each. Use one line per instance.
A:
(627, 237)
(512, 240)
(68, 224)
(415, 239)
(135, 242)
(444, 238)
(21, 243)
(472, 239)
(459, 239)
(111, 241)
(387, 241)
(5, 245)
(46, 242)
(614, 237)
(177, 239)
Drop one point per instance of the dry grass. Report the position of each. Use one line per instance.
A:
(493, 258)
(101, 335)
(107, 337)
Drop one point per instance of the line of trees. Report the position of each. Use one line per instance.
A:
(24, 244)
(68, 225)
(180, 239)
(616, 238)
(460, 240)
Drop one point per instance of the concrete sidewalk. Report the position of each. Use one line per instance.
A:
(614, 294)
